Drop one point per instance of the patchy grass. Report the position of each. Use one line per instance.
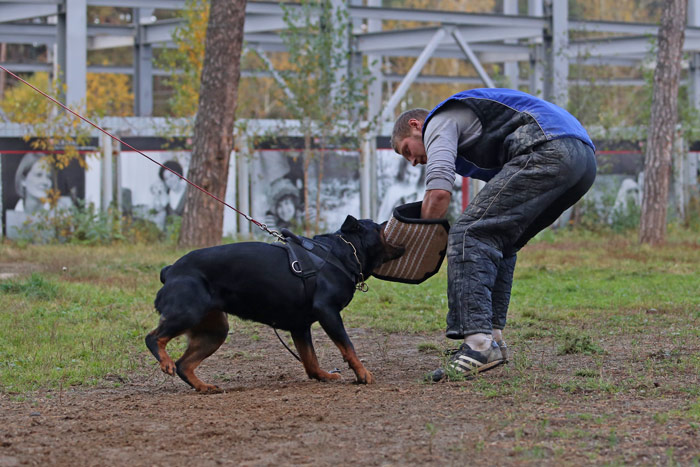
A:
(78, 315)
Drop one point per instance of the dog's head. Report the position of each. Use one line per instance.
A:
(368, 238)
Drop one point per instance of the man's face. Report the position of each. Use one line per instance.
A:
(411, 147)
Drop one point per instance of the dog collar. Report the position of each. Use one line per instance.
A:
(360, 285)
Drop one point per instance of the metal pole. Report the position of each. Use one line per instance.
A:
(511, 70)
(537, 59)
(143, 66)
(412, 73)
(73, 50)
(559, 57)
(117, 175)
(374, 62)
(472, 58)
(243, 188)
(106, 178)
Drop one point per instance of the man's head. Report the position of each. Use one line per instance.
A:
(407, 136)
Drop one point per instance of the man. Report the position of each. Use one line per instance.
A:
(537, 161)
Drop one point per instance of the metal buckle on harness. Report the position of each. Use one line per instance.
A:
(296, 267)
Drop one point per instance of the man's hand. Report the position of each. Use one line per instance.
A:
(435, 204)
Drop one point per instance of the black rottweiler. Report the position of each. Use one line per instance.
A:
(254, 280)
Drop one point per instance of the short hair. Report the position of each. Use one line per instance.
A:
(401, 127)
(172, 165)
(25, 165)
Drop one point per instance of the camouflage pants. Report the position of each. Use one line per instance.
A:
(527, 195)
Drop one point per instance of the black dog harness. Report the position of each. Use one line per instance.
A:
(307, 257)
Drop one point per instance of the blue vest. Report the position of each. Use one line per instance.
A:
(513, 122)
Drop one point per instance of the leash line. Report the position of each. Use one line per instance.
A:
(261, 225)
(285, 344)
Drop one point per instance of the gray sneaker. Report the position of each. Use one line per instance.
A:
(470, 362)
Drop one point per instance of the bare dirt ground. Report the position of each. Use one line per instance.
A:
(271, 414)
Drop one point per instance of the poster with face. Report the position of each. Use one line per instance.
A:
(278, 193)
(398, 182)
(150, 192)
(277, 186)
(27, 179)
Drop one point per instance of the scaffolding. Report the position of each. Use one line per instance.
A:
(540, 38)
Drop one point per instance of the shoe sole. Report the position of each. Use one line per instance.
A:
(474, 370)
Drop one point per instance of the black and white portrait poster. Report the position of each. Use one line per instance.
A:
(28, 179)
(149, 191)
(278, 189)
(399, 183)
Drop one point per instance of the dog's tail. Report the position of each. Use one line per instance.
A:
(163, 272)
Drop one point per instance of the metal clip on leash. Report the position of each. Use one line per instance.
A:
(274, 233)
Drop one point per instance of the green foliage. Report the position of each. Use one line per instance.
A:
(602, 214)
(327, 100)
(316, 38)
(575, 343)
(53, 130)
(22, 104)
(59, 333)
(173, 224)
(35, 287)
(84, 224)
(187, 57)
(81, 224)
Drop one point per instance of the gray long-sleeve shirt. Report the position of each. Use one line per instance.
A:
(454, 127)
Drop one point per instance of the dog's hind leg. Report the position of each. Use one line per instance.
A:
(156, 342)
(204, 340)
(305, 347)
(182, 302)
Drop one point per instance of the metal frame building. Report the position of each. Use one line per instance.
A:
(540, 38)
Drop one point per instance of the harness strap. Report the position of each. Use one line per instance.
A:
(307, 257)
(324, 252)
(303, 266)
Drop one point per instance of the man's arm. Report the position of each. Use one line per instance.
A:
(435, 204)
(441, 139)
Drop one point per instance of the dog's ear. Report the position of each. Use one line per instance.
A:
(350, 225)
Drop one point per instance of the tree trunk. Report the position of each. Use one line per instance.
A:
(202, 219)
(664, 113)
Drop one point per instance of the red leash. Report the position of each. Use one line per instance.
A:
(259, 224)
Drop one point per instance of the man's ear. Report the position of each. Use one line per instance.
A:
(350, 225)
(415, 123)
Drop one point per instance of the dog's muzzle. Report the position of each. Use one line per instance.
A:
(425, 241)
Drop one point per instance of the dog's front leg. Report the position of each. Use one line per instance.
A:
(305, 347)
(332, 323)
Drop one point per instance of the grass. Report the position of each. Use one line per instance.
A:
(79, 325)
(78, 315)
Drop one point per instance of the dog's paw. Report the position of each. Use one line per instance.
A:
(209, 389)
(168, 366)
(324, 376)
(365, 377)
